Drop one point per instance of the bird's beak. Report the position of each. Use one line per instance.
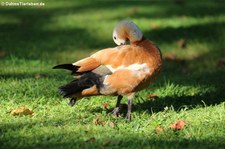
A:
(126, 42)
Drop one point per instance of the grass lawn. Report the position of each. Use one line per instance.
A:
(191, 86)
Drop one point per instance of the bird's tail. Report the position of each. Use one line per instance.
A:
(70, 67)
(86, 81)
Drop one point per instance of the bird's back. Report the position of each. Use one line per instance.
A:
(133, 67)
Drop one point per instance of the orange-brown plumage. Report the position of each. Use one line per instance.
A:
(122, 70)
(87, 64)
(143, 52)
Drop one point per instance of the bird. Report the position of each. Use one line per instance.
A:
(123, 70)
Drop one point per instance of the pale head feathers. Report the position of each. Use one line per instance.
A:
(126, 30)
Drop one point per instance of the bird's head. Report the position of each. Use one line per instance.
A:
(126, 30)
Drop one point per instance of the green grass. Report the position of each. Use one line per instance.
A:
(36, 38)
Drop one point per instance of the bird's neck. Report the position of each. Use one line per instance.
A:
(138, 42)
(133, 33)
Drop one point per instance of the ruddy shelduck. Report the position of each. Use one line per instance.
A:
(119, 71)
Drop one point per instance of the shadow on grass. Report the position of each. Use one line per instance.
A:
(27, 37)
(179, 103)
(210, 78)
(210, 32)
(21, 76)
(76, 139)
(189, 8)
(34, 43)
(134, 142)
(175, 102)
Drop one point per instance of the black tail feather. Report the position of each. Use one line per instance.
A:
(70, 67)
(85, 81)
(70, 89)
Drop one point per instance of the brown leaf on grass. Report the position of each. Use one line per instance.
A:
(3, 53)
(101, 123)
(159, 129)
(105, 105)
(97, 121)
(111, 124)
(154, 26)
(92, 139)
(181, 43)
(221, 63)
(133, 10)
(183, 17)
(38, 76)
(171, 57)
(22, 111)
(178, 125)
(152, 97)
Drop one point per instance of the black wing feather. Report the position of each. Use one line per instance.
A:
(70, 67)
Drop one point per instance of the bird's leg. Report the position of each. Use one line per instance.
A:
(129, 106)
(117, 108)
(72, 101)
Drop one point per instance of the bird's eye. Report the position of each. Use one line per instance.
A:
(114, 37)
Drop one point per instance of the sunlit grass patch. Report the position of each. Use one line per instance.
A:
(190, 86)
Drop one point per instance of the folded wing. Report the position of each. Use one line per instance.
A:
(79, 67)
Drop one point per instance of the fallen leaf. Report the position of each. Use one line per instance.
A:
(38, 76)
(3, 53)
(22, 111)
(178, 125)
(159, 129)
(221, 63)
(92, 139)
(101, 122)
(181, 43)
(97, 121)
(152, 97)
(154, 26)
(171, 57)
(183, 17)
(133, 10)
(105, 105)
(111, 124)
